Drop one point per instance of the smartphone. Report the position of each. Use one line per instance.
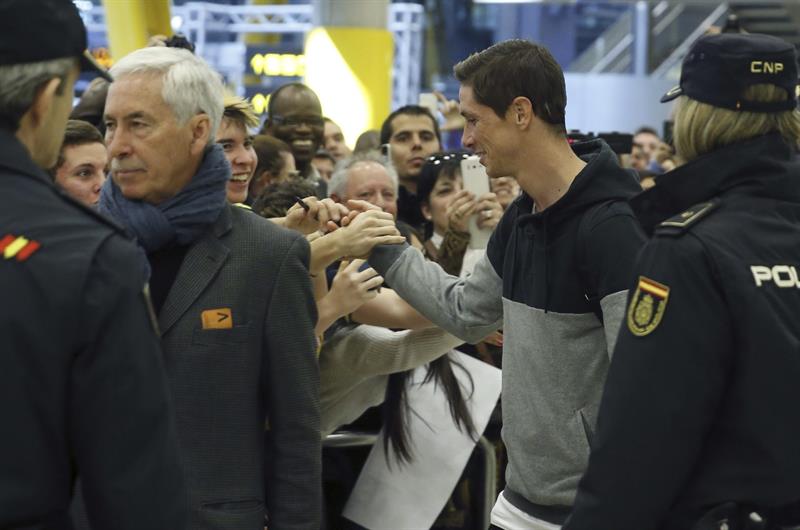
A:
(386, 153)
(476, 181)
(430, 102)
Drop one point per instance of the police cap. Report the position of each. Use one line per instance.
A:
(718, 68)
(41, 30)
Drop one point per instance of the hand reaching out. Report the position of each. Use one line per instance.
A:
(365, 230)
(451, 112)
(321, 215)
(351, 287)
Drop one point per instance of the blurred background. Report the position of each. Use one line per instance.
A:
(367, 57)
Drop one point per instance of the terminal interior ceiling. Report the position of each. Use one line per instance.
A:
(617, 55)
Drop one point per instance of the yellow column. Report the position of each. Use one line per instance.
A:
(130, 23)
(350, 70)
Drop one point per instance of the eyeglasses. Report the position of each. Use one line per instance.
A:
(446, 157)
(297, 121)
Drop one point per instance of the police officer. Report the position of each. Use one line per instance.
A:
(699, 425)
(82, 387)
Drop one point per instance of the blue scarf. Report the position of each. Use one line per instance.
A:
(181, 219)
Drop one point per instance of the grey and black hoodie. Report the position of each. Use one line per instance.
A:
(556, 281)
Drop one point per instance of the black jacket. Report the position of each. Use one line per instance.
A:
(82, 385)
(580, 249)
(700, 406)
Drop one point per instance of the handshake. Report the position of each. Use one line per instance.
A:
(339, 231)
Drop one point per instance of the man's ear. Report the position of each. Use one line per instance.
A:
(43, 100)
(521, 111)
(200, 126)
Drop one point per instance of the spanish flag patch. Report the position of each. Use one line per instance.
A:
(17, 247)
(647, 306)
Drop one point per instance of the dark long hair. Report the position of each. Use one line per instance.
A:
(395, 405)
(396, 409)
(441, 371)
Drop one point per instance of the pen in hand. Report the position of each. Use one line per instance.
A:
(307, 208)
(302, 203)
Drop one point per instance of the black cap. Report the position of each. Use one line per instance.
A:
(41, 30)
(718, 69)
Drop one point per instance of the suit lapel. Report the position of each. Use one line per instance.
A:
(203, 261)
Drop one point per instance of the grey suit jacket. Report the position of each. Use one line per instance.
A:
(227, 382)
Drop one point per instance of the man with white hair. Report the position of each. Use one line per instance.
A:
(232, 295)
(365, 177)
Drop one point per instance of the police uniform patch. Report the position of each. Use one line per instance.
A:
(647, 306)
(18, 247)
(680, 223)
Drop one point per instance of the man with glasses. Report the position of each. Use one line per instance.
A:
(295, 116)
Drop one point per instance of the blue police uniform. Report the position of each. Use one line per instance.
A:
(82, 387)
(699, 407)
(698, 424)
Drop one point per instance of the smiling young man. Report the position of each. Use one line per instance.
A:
(412, 134)
(237, 143)
(295, 116)
(554, 275)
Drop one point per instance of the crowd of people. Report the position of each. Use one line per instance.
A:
(196, 300)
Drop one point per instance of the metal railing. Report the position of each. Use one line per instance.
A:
(407, 23)
(607, 47)
(198, 19)
(668, 66)
(669, 29)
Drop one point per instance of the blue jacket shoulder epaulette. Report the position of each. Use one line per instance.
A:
(679, 224)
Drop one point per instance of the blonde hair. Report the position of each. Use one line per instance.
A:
(239, 110)
(701, 128)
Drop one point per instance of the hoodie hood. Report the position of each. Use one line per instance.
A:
(553, 232)
(765, 166)
(601, 180)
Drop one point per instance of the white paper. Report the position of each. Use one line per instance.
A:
(411, 496)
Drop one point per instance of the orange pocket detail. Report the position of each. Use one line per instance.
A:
(217, 318)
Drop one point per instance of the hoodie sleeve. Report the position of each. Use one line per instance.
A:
(470, 308)
(612, 244)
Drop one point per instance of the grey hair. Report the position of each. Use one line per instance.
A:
(18, 84)
(341, 174)
(190, 85)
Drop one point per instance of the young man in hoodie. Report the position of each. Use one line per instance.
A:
(554, 275)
